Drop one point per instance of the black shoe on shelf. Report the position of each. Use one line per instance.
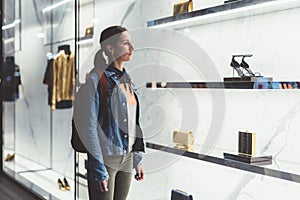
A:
(60, 185)
(235, 65)
(9, 157)
(66, 184)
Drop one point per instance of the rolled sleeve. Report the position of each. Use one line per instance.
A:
(137, 158)
(97, 169)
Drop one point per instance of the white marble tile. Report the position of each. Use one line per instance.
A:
(62, 152)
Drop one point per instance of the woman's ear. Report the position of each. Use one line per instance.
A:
(110, 49)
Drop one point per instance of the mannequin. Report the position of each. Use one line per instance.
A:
(10, 60)
(12, 79)
(66, 48)
(60, 72)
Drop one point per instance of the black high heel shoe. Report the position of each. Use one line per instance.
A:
(245, 65)
(60, 185)
(236, 66)
(66, 184)
(9, 157)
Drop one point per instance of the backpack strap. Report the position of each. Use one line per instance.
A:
(102, 85)
(102, 88)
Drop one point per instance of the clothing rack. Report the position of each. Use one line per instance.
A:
(60, 41)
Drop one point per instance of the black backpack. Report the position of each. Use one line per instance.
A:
(76, 142)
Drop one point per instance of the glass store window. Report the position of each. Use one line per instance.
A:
(40, 35)
(39, 52)
(11, 75)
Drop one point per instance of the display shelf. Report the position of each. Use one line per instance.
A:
(228, 11)
(87, 40)
(37, 178)
(81, 40)
(227, 85)
(84, 176)
(290, 172)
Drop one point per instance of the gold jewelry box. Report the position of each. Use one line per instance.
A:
(183, 139)
(183, 7)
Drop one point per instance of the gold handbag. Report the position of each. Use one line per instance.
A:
(183, 139)
(183, 7)
(89, 31)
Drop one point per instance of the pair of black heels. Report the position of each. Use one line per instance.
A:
(63, 185)
(237, 66)
(9, 157)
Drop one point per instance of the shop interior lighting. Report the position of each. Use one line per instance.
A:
(275, 5)
(58, 4)
(8, 26)
(40, 35)
(51, 25)
(95, 20)
(6, 41)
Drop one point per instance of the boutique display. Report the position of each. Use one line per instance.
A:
(247, 143)
(247, 150)
(180, 195)
(183, 7)
(11, 79)
(183, 140)
(63, 184)
(60, 77)
(245, 74)
(89, 31)
(243, 69)
(9, 157)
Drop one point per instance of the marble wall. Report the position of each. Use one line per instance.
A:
(215, 116)
(41, 134)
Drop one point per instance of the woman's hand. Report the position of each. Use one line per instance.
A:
(103, 186)
(139, 176)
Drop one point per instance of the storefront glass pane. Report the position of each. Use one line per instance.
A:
(36, 133)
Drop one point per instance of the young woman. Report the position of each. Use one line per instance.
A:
(114, 137)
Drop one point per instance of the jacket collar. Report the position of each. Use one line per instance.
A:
(114, 76)
(111, 73)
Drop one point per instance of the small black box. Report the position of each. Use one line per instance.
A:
(180, 195)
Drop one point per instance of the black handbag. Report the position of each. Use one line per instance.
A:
(180, 195)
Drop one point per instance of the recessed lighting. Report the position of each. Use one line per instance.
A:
(53, 6)
(8, 26)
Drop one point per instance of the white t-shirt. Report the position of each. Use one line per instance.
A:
(131, 125)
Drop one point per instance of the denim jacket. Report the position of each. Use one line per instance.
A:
(110, 135)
